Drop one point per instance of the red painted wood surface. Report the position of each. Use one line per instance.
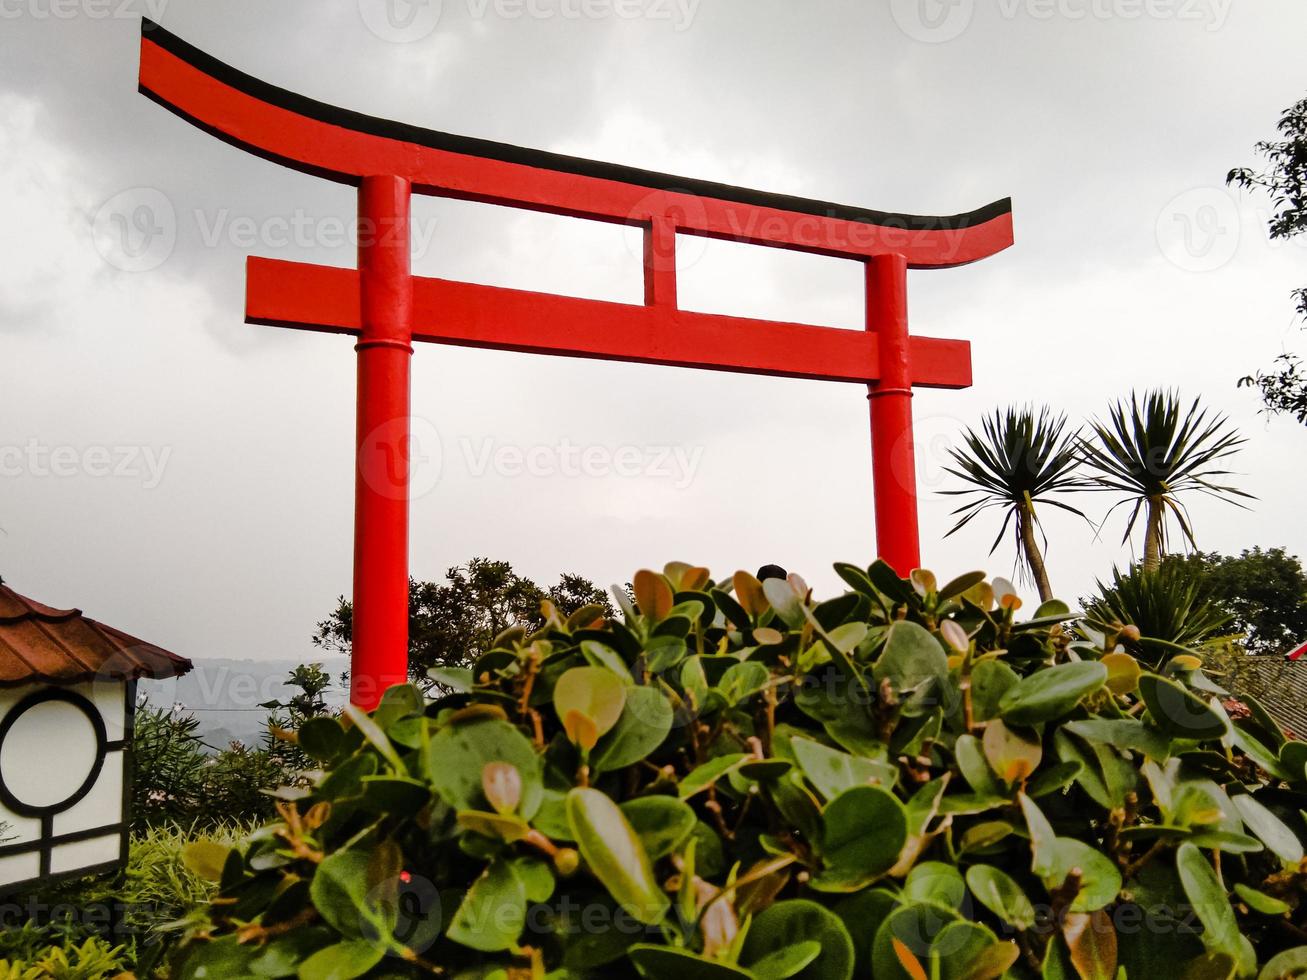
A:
(316, 297)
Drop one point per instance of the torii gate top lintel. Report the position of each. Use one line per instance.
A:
(343, 145)
(387, 308)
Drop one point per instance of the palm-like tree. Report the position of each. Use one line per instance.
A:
(1019, 458)
(1171, 607)
(1152, 453)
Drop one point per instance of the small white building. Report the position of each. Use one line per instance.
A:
(67, 696)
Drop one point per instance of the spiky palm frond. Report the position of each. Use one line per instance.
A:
(1169, 604)
(1017, 459)
(1156, 451)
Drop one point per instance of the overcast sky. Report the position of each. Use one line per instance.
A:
(189, 478)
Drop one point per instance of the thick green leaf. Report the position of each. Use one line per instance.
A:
(701, 777)
(832, 771)
(1013, 753)
(864, 829)
(990, 680)
(970, 951)
(1207, 896)
(664, 653)
(788, 924)
(1053, 779)
(602, 655)
(375, 737)
(1260, 901)
(1293, 759)
(742, 681)
(915, 665)
(459, 679)
(343, 961)
(459, 753)
(1289, 965)
(956, 587)
(915, 927)
(935, 881)
(322, 738)
(1051, 693)
(343, 895)
(1254, 749)
(1043, 840)
(975, 769)
(786, 962)
(1100, 881)
(1178, 711)
(671, 963)
(596, 693)
(862, 913)
(646, 720)
(613, 852)
(1000, 893)
(787, 603)
(663, 823)
(536, 876)
(1270, 829)
(493, 912)
(205, 858)
(1123, 733)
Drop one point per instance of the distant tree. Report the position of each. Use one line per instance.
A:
(1155, 452)
(1264, 591)
(1017, 460)
(1284, 390)
(451, 622)
(310, 684)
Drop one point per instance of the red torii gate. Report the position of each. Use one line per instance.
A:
(387, 308)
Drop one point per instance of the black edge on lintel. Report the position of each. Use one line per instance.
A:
(542, 159)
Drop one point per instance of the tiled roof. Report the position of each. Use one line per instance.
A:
(1280, 685)
(61, 646)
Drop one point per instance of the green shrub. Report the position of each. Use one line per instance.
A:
(178, 780)
(1170, 606)
(94, 959)
(732, 780)
(136, 912)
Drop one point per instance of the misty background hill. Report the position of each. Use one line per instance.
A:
(226, 695)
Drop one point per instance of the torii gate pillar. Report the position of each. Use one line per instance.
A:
(893, 456)
(381, 499)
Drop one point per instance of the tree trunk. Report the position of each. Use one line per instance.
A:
(1153, 535)
(1030, 544)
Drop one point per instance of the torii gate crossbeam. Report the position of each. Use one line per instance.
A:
(387, 308)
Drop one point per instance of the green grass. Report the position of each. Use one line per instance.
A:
(154, 892)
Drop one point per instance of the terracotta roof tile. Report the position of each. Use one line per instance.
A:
(41, 644)
(1280, 685)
